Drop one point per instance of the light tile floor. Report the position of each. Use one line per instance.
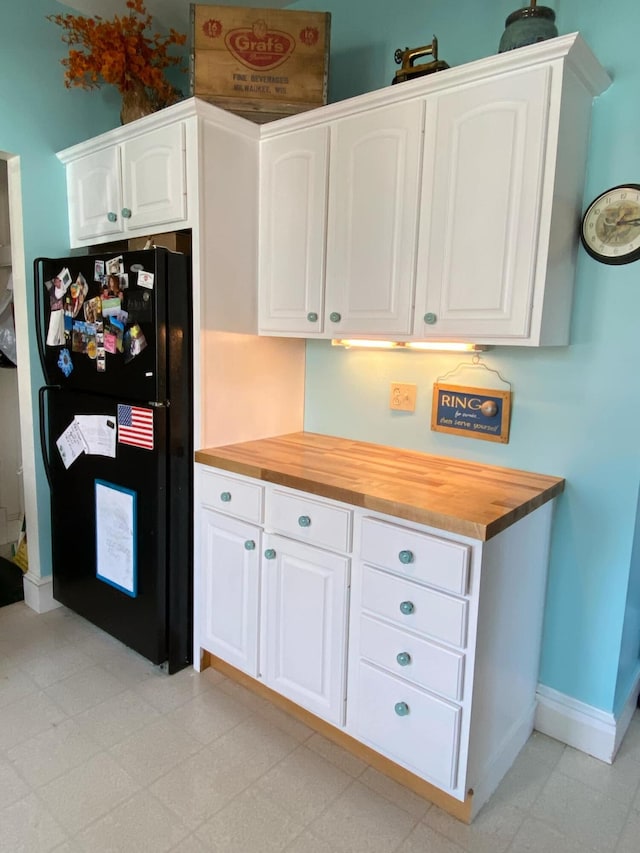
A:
(100, 752)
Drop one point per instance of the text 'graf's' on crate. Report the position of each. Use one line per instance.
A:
(262, 64)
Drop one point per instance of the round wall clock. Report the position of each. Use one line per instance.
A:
(611, 225)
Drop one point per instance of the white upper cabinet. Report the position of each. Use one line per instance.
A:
(485, 152)
(154, 179)
(95, 196)
(373, 210)
(454, 202)
(128, 186)
(293, 210)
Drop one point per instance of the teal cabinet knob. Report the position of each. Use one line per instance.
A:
(430, 318)
(312, 317)
(126, 213)
(403, 658)
(270, 554)
(249, 545)
(406, 607)
(335, 317)
(111, 216)
(401, 709)
(304, 521)
(225, 497)
(405, 557)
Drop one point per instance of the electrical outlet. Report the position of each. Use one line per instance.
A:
(402, 397)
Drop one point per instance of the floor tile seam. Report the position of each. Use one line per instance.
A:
(521, 813)
(585, 848)
(427, 803)
(100, 750)
(335, 763)
(43, 807)
(595, 790)
(75, 836)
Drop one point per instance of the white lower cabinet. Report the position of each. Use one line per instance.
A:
(420, 644)
(230, 589)
(272, 596)
(304, 619)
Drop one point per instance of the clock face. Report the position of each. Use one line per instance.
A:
(611, 225)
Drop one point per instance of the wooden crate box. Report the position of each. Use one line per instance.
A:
(262, 64)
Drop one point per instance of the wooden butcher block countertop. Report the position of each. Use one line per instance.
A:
(451, 494)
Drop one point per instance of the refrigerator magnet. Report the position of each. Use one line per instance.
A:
(115, 266)
(64, 362)
(98, 270)
(55, 333)
(145, 279)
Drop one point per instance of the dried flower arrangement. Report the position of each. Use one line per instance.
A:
(119, 52)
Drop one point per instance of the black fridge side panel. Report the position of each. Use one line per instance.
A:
(179, 373)
(139, 621)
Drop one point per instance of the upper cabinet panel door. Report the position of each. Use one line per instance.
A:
(95, 204)
(154, 178)
(485, 151)
(293, 211)
(373, 209)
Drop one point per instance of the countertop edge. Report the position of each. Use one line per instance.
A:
(396, 509)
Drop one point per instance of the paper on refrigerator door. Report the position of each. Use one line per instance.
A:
(71, 444)
(116, 536)
(99, 433)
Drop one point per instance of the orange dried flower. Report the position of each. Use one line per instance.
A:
(119, 52)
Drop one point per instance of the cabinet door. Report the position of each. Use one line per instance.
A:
(230, 590)
(154, 178)
(293, 210)
(95, 204)
(305, 600)
(485, 148)
(373, 209)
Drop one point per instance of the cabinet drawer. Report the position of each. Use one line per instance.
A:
(412, 658)
(414, 607)
(237, 497)
(314, 521)
(417, 555)
(407, 724)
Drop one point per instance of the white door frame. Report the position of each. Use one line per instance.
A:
(38, 590)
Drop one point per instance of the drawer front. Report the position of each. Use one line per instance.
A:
(417, 555)
(414, 607)
(408, 725)
(308, 520)
(412, 658)
(236, 497)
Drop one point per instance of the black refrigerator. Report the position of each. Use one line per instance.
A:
(116, 428)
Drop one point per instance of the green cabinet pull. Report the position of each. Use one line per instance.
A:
(304, 521)
(312, 317)
(403, 658)
(111, 216)
(407, 607)
(249, 545)
(405, 557)
(401, 709)
(225, 497)
(126, 213)
(430, 318)
(270, 554)
(335, 317)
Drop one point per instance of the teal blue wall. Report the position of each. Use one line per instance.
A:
(38, 117)
(576, 409)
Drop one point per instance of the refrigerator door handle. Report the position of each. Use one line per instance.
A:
(43, 430)
(37, 284)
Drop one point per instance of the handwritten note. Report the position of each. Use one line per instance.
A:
(116, 536)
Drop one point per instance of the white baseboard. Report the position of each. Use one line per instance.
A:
(38, 593)
(582, 726)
